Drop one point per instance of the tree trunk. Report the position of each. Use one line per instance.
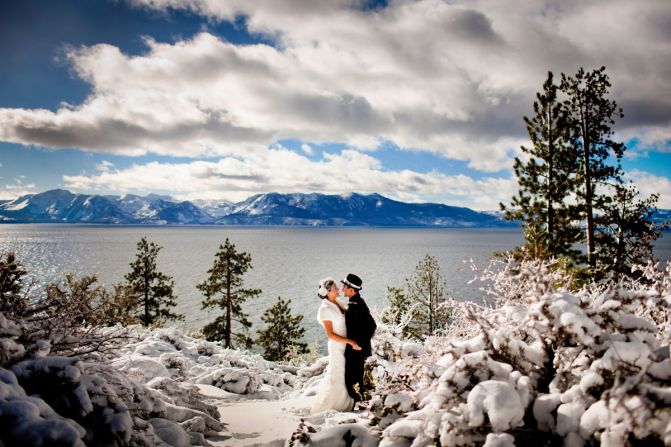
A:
(229, 305)
(550, 180)
(431, 306)
(146, 295)
(590, 218)
(589, 194)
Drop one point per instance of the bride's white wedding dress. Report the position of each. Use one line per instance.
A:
(332, 394)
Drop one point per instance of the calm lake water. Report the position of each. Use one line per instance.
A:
(288, 262)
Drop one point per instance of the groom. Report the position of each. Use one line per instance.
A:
(360, 328)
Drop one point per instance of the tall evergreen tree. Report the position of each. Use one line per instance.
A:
(283, 331)
(224, 289)
(152, 289)
(573, 175)
(592, 114)
(546, 179)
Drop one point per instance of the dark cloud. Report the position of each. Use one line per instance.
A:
(473, 26)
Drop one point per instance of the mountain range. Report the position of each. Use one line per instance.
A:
(62, 206)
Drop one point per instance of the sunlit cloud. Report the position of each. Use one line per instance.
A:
(307, 149)
(453, 79)
(649, 184)
(17, 189)
(281, 170)
(104, 166)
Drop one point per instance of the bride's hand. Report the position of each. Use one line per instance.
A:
(355, 346)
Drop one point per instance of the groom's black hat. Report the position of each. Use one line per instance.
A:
(353, 281)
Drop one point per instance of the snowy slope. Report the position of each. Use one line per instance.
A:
(544, 366)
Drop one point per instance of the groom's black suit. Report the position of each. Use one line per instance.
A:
(360, 328)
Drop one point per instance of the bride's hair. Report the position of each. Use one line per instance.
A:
(324, 287)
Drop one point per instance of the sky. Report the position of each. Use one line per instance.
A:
(421, 101)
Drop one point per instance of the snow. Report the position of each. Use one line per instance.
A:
(17, 206)
(499, 401)
(260, 421)
(568, 417)
(636, 353)
(582, 365)
(543, 408)
(590, 380)
(594, 418)
(499, 440)
(29, 420)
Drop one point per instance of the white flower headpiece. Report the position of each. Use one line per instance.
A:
(324, 286)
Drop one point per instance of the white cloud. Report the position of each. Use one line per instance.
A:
(281, 170)
(307, 149)
(453, 78)
(104, 166)
(16, 189)
(649, 138)
(648, 184)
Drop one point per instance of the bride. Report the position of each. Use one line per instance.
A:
(332, 394)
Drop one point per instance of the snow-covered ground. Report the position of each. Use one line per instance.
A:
(544, 366)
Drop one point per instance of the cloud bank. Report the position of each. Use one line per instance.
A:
(450, 78)
(453, 79)
(278, 169)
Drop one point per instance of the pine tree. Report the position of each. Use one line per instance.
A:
(152, 289)
(117, 307)
(398, 312)
(546, 180)
(283, 331)
(574, 175)
(592, 114)
(625, 231)
(224, 289)
(422, 309)
(12, 275)
(77, 296)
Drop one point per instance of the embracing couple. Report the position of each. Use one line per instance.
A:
(349, 329)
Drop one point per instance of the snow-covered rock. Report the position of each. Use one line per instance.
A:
(545, 362)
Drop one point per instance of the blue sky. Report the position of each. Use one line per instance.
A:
(417, 100)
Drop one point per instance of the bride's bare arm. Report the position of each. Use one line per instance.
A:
(328, 327)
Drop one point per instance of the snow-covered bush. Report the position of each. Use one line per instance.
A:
(544, 366)
(84, 400)
(58, 387)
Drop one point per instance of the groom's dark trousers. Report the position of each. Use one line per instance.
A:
(360, 328)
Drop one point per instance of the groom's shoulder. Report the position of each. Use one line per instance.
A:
(355, 301)
(358, 300)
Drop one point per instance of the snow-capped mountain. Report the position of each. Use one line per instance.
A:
(262, 209)
(314, 209)
(351, 209)
(214, 208)
(158, 209)
(59, 205)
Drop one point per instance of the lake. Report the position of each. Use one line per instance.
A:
(288, 261)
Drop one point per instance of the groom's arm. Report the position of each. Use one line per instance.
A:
(369, 324)
(356, 328)
(364, 325)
